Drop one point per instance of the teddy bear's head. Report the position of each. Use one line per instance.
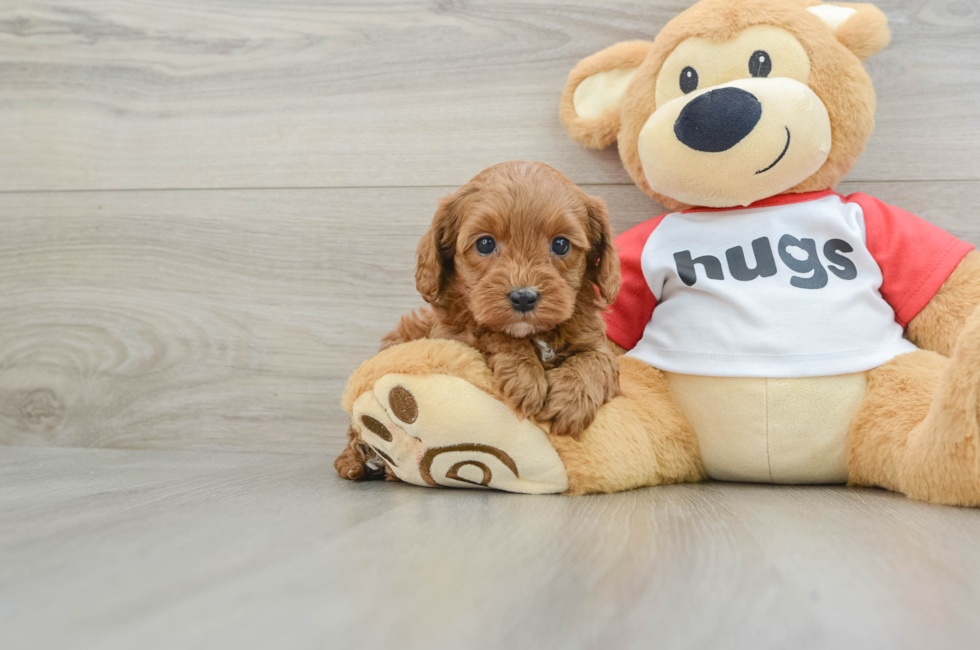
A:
(734, 101)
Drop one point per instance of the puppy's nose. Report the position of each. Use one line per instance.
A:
(718, 120)
(523, 300)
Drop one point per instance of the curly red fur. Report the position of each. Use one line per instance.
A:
(552, 363)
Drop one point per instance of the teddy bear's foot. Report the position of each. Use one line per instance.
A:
(440, 430)
(918, 429)
(433, 410)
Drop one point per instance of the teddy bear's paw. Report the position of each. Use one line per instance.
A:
(439, 430)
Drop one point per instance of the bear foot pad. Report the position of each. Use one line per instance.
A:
(438, 430)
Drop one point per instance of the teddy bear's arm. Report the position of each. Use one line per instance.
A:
(940, 322)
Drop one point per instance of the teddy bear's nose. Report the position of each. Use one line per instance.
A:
(718, 120)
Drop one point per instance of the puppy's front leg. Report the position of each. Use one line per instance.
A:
(518, 371)
(578, 387)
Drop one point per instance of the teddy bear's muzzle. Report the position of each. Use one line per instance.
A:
(735, 143)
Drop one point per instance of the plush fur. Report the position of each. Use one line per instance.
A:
(866, 32)
(599, 133)
(638, 439)
(938, 325)
(917, 427)
(837, 77)
(918, 430)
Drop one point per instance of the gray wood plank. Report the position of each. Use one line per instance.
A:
(245, 93)
(128, 549)
(231, 319)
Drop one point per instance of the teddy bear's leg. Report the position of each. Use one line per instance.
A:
(637, 439)
(431, 409)
(917, 431)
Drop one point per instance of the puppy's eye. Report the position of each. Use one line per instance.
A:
(485, 245)
(760, 65)
(689, 79)
(560, 246)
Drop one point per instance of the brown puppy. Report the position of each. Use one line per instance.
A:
(519, 263)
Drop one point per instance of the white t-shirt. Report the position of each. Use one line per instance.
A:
(794, 286)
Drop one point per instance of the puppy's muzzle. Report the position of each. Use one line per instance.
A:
(718, 120)
(523, 300)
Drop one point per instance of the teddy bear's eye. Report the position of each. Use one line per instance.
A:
(486, 245)
(760, 65)
(689, 79)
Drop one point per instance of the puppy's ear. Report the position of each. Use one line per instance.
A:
(437, 248)
(602, 262)
(594, 90)
(861, 28)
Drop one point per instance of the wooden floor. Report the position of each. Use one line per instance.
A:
(152, 549)
(208, 217)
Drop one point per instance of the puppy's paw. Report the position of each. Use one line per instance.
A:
(526, 397)
(572, 422)
(522, 382)
(572, 403)
(569, 416)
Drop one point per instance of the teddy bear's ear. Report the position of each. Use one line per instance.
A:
(861, 28)
(591, 99)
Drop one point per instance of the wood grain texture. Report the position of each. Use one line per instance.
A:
(248, 93)
(232, 319)
(178, 319)
(133, 549)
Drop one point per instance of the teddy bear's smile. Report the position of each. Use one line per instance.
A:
(785, 149)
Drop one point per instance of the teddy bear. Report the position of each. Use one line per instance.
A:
(770, 329)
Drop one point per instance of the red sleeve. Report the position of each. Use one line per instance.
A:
(915, 256)
(629, 314)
